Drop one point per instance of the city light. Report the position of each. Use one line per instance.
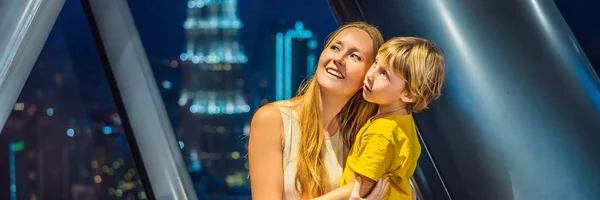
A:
(213, 23)
(195, 59)
(221, 129)
(70, 132)
(97, 179)
(19, 106)
(174, 64)
(17, 146)
(246, 130)
(182, 101)
(235, 155)
(312, 44)
(12, 146)
(118, 192)
(237, 179)
(116, 165)
(142, 195)
(116, 118)
(107, 130)
(191, 4)
(183, 56)
(200, 4)
(166, 84)
(50, 112)
(218, 107)
(181, 144)
(194, 109)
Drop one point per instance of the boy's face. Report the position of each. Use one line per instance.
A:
(383, 86)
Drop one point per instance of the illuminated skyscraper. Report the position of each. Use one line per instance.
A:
(292, 57)
(295, 59)
(215, 112)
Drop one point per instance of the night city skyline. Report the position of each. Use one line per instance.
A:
(71, 96)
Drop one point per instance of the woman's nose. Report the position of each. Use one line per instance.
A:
(339, 60)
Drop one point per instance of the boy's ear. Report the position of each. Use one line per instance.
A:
(407, 97)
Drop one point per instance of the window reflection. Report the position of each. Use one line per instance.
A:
(64, 139)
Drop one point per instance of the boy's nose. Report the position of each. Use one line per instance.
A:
(368, 77)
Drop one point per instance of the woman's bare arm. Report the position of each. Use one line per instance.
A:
(352, 191)
(342, 193)
(265, 154)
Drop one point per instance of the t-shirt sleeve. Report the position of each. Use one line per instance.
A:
(374, 155)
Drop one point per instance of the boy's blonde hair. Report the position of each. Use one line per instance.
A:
(419, 63)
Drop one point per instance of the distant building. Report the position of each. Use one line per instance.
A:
(215, 110)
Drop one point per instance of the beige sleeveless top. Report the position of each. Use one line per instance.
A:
(334, 146)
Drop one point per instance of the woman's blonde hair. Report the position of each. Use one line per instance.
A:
(419, 63)
(311, 178)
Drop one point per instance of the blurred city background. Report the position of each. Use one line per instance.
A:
(215, 62)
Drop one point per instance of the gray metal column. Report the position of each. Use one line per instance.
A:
(138, 98)
(519, 116)
(24, 28)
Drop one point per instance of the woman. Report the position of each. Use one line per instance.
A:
(297, 147)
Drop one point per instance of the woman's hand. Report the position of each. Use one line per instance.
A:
(377, 193)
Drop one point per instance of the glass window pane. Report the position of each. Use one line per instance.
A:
(216, 62)
(64, 139)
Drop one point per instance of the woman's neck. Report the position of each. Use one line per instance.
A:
(331, 105)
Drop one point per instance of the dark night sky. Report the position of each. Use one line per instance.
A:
(160, 22)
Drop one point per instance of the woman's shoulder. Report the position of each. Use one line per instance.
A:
(274, 111)
(293, 102)
(267, 125)
(268, 113)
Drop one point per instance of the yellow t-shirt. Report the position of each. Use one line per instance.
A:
(386, 147)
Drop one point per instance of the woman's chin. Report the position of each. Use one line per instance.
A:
(336, 89)
(335, 86)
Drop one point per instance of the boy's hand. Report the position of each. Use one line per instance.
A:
(377, 193)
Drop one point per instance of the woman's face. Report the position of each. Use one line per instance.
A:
(344, 62)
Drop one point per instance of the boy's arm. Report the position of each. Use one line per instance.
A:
(366, 184)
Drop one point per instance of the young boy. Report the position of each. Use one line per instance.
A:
(407, 75)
